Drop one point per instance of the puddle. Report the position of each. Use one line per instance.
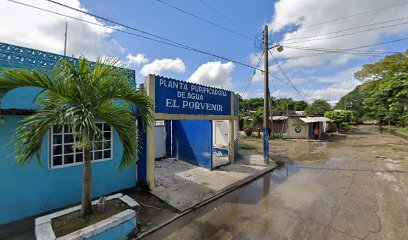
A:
(294, 202)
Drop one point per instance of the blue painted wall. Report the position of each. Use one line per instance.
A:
(192, 142)
(34, 189)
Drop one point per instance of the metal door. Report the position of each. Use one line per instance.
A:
(160, 136)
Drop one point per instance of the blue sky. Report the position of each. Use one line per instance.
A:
(326, 76)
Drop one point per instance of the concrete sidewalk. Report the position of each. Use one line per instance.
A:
(183, 185)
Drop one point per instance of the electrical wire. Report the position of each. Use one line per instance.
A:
(343, 51)
(353, 48)
(251, 78)
(357, 14)
(286, 76)
(164, 41)
(347, 34)
(344, 30)
(223, 15)
(205, 20)
(137, 35)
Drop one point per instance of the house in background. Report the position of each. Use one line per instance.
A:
(57, 183)
(295, 124)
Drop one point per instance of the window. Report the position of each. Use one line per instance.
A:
(62, 141)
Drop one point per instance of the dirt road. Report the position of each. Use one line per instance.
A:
(352, 187)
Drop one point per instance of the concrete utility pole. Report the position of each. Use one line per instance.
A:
(65, 38)
(266, 98)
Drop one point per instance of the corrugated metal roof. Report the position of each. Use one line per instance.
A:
(275, 118)
(315, 119)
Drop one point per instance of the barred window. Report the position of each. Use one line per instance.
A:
(63, 153)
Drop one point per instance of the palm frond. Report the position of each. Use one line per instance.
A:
(14, 78)
(78, 96)
(124, 122)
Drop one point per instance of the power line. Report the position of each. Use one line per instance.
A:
(251, 78)
(204, 20)
(290, 81)
(348, 34)
(344, 30)
(357, 14)
(93, 23)
(166, 41)
(353, 48)
(343, 51)
(223, 15)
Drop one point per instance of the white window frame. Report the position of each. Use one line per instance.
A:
(75, 163)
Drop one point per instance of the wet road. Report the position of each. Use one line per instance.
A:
(354, 187)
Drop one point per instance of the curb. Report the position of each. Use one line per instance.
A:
(229, 189)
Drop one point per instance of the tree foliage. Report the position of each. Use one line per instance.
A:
(384, 92)
(341, 118)
(300, 105)
(277, 104)
(251, 104)
(318, 108)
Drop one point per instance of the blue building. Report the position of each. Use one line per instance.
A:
(57, 182)
(192, 116)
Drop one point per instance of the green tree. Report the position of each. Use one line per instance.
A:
(300, 105)
(392, 65)
(385, 84)
(318, 108)
(283, 104)
(251, 104)
(76, 96)
(257, 118)
(341, 118)
(354, 101)
(389, 101)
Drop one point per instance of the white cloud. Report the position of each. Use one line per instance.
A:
(28, 27)
(257, 76)
(215, 74)
(305, 13)
(340, 84)
(159, 66)
(137, 59)
(339, 77)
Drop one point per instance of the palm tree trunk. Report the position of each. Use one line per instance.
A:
(86, 208)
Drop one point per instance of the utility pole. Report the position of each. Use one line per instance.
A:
(266, 98)
(65, 40)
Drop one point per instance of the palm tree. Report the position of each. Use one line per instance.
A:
(77, 96)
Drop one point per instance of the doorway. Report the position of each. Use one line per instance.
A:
(160, 140)
(220, 143)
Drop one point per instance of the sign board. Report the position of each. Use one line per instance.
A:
(298, 129)
(181, 97)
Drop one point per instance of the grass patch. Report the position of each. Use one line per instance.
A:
(279, 138)
(73, 221)
(246, 147)
(403, 131)
(248, 137)
(280, 163)
(400, 130)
